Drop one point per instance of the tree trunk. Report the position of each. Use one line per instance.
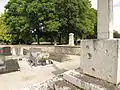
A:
(51, 41)
(55, 42)
(60, 39)
(38, 42)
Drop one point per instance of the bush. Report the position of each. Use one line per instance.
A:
(41, 39)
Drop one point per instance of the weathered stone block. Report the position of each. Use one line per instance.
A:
(101, 59)
(5, 51)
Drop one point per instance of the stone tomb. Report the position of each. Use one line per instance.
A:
(6, 64)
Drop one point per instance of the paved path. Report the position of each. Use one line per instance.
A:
(69, 65)
(25, 77)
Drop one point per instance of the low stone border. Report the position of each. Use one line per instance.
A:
(88, 83)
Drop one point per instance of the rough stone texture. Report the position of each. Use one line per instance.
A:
(9, 66)
(6, 51)
(101, 59)
(13, 51)
(71, 39)
(21, 51)
(59, 57)
(56, 83)
(64, 85)
(12, 65)
(1, 62)
(105, 19)
(17, 51)
(61, 49)
(87, 82)
(69, 50)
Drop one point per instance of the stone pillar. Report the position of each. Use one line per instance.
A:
(21, 51)
(13, 51)
(71, 39)
(105, 19)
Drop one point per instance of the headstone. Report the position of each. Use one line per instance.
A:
(100, 58)
(71, 39)
(5, 51)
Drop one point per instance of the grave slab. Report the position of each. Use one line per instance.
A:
(86, 82)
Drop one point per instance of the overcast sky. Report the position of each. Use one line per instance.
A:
(116, 12)
(94, 4)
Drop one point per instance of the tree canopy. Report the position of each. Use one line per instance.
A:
(116, 34)
(53, 19)
(4, 36)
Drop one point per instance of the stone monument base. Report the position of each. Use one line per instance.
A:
(86, 82)
(100, 58)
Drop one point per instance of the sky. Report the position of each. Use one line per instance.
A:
(94, 5)
(116, 13)
(2, 4)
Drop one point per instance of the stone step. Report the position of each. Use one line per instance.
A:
(53, 84)
(87, 82)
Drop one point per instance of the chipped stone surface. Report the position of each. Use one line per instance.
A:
(87, 82)
(56, 83)
(100, 58)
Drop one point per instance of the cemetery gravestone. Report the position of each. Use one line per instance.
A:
(7, 65)
(71, 39)
(100, 58)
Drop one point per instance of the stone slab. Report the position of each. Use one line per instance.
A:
(87, 82)
(5, 51)
(101, 59)
(56, 83)
(59, 57)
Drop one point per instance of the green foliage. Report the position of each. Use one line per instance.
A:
(4, 36)
(76, 16)
(55, 18)
(16, 19)
(42, 39)
(43, 59)
(116, 34)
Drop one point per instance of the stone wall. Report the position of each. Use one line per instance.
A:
(69, 50)
(60, 49)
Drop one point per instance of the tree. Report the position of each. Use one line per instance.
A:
(15, 17)
(4, 36)
(56, 18)
(43, 17)
(93, 18)
(116, 34)
(76, 16)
